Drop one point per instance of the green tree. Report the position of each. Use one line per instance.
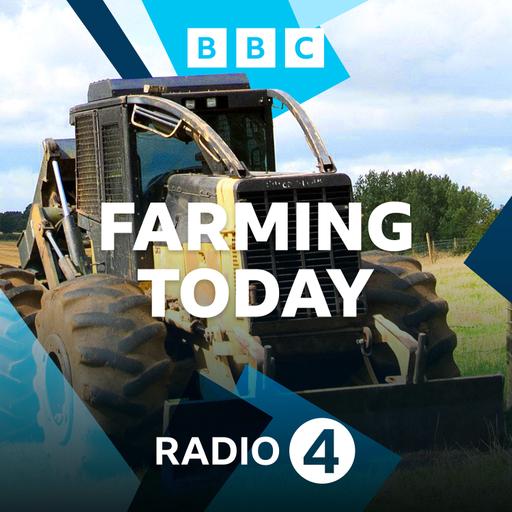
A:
(14, 222)
(438, 205)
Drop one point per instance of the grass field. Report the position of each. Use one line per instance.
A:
(469, 480)
(477, 314)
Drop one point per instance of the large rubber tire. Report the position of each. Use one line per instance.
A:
(99, 331)
(23, 291)
(404, 294)
(18, 401)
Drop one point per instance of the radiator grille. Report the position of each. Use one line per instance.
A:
(86, 166)
(112, 163)
(285, 264)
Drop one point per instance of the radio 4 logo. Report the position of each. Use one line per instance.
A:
(321, 451)
(256, 47)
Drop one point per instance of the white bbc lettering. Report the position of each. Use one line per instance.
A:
(304, 48)
(207, 48)
(256, 48)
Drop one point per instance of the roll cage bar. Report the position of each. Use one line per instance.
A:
(325, 162)
(166, 118)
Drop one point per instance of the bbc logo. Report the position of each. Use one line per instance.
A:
(256, 48)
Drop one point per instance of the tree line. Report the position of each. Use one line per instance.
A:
(14, 222)
(439, 206)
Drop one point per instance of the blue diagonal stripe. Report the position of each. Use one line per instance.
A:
(491, 257)
(311, 14)
(102, 25)
(53, 453)
(373, 464)
(172, 23)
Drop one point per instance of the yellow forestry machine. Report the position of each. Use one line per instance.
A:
(389, 372)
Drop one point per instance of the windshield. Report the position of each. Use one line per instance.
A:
(159, 156)
(245, 133)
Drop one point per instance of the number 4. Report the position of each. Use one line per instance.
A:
(329, 461)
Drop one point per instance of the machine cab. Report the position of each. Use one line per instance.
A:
(127, 149)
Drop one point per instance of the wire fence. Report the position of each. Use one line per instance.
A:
(442, 248)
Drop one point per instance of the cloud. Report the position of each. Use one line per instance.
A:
(429, 89)
(48, 62)
(356, 123)
(136, 23)
(437, 45)
(489, 171)
(17, 188)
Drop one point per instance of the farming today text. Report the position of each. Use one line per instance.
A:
(207, 223)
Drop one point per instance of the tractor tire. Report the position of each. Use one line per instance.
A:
(99, 332)
(400, 291)
(18, 401)
(23, 292)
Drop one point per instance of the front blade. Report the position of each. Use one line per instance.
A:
(466, 411)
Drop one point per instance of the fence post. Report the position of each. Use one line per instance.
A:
(455, 246)
(430, 249)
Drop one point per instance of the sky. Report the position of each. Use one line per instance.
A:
(430, 88)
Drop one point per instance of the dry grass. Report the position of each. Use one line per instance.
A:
(477, 314)
(9, 253)
(468, 480)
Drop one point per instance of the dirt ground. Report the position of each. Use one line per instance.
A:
(9, 254)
